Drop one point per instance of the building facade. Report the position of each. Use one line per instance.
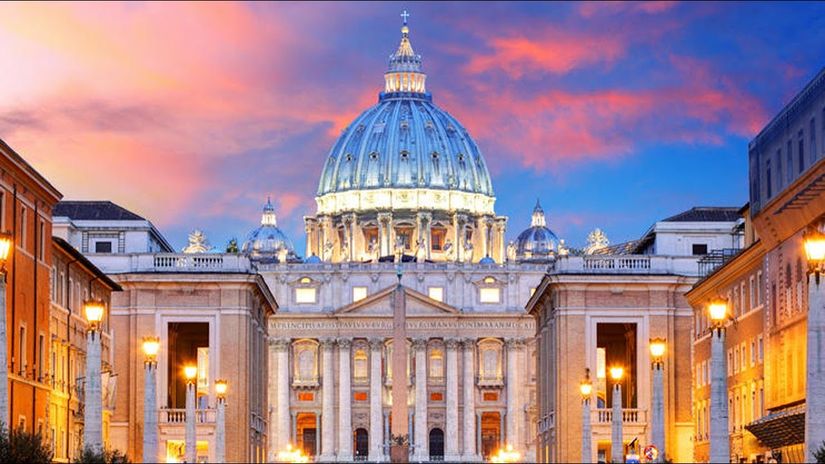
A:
(769, 292)
(75, 279)
(600, 310)
(26, 203)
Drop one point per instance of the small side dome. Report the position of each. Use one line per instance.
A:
(537, 243)
(268, 243)
(487, 260)
(314, 259)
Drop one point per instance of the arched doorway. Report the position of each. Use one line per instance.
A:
(436, 444)
(362, 443)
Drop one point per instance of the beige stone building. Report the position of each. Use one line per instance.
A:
(601, 310)
(75, 279)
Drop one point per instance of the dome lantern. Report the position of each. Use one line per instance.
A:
(404, 73)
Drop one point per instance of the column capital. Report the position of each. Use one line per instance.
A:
(344, 343)
(280, 344)
(469, 343)
(327, 343)
(515, 343)
(419, 344)
(452, 343)
(376, 343)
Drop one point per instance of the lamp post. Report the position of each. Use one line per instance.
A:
(93, 397)
(586, 390)
(190, 373)
(658, 346)
(151, 346)
(814, 241)
(220, 427)
(5, 249)
(616, 437)
(719, 442)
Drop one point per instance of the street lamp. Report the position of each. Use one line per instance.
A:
(586, 390)
(220, 428)
(93, 409)
(151, 347)
(5, 251)
(658, 346)
(814, 244)
(190, 373)
(616, 437)
(719, 441)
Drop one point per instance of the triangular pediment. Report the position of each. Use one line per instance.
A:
(381, 303)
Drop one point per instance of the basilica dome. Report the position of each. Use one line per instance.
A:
(537, 243)
(267, 242)
(405, 152)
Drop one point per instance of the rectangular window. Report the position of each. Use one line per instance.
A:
(812, 147)
(358, 293)
(761, 348)
(768, 183)
(490, 295)
(103, 247)
(753, 353)
(759, 288)
(745, 307)
(789, 165)
(41, 355)
(801, 151)
(700, 249)
(2, 210)
(23, 227)
(779, 169)
(436, 293)
(41, 247)
(305, 295)
(21, 352)
(752, 293)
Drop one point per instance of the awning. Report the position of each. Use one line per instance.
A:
(781, 428)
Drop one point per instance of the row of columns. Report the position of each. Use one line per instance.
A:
(282, 424)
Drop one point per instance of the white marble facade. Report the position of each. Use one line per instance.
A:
(470, 361)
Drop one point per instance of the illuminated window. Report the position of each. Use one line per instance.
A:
(489, 280)
(436, 396)
(490, 295)
(305, 295)
(306, 396)
(360, 396)
(305, 280)
(359, 293)
(436, 293)
(436, 364)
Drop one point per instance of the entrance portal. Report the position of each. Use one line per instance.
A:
(307, 433)
(436, 444)
(490, 433)
(362, 444)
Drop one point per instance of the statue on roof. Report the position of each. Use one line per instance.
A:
(197, 243)
(596, 240)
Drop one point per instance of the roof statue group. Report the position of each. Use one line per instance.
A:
(404, 177)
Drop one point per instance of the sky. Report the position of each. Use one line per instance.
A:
(614, 114)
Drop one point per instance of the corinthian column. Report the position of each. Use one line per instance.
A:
(281, 348)
(470, 453)
(376, 406)
(451, 438)
(327, 402)
(421, 452)
(344, 401)
(512, 393)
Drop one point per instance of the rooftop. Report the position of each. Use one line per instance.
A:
(94, 211)
(707, 214)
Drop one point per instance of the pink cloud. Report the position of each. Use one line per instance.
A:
(591, 9)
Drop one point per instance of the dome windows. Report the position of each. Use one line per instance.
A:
(373, 156)
(405, 155)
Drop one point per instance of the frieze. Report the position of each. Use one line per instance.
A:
(386, 324)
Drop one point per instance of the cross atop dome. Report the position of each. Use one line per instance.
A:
(405, 15)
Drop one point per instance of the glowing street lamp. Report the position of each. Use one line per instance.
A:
(220, 427)
(190, 373)
(616, 435)
(658, 346)
(292, 455)
(5, 250)
(814, 244)
(719, 440)
(151, 347)
(586, 390)
(506, 454)
(93, 409)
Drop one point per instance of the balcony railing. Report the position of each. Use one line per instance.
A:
(178, 416)
(490, 381)
(173, 262)
(626, 264)
(629, 416)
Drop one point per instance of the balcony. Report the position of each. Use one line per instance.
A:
(490, 381)
(175, 416)
(629, 416)
(173, 262)
(626, 264)
(312, 382)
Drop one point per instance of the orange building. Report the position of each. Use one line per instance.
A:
(26, 202)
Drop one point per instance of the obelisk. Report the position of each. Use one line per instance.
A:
(399, 452)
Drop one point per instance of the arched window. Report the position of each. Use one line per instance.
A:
(305, 356)
(360, 364)
(436, 364)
